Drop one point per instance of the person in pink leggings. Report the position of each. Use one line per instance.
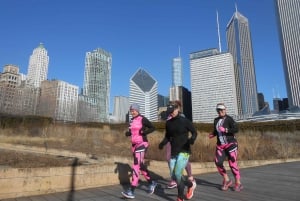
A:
(225, 129)
(139, 128)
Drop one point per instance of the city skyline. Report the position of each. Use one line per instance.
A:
(137, 35)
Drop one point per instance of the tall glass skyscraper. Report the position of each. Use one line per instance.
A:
(143, 90)
(177, 77)
(38, 66)
(97, 81)
(288, 20)
(240, 46)
(177, 72)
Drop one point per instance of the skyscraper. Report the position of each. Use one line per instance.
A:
(177, 91)
(240, 46)
(143, 90)
(38, 66)
(58, 100)
(212, 82)
(177, 77)
(10, 80)
(121, 108)
(288, 20)
(177, 72)
(97, 81)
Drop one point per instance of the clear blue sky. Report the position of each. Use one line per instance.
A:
(138, 33)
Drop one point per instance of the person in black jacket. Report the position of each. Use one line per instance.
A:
(188, 168)
(177, 133)
(225, 129)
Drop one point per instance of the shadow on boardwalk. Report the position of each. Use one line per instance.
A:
(277, 182)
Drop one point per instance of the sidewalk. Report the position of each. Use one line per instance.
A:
(276, 182)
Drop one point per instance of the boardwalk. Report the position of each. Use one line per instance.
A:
(278, 182)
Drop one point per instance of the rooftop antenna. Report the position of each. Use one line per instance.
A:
(278, 95)
(218, 27)
(236, 10)
(179, 50)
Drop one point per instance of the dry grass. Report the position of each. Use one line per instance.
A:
(253, 145)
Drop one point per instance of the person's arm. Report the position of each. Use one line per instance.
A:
(165, 140)
(147, 127)
(163, 143)
(215, 132)
(192, 130)
(233, 127)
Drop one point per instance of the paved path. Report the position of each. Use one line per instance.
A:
(278, 182)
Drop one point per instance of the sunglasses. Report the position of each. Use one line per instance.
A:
(220, 110)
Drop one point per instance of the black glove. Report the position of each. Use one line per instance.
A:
(127, 133)
(191, 141)
(161, 146)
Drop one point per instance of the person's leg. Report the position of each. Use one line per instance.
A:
(172, 164)
(135, 176)
(144, 170)
(188, 169)
(172, 183)
(232, 152)
(190, 183)
(181, 162)
(220, 156)
(168, 152)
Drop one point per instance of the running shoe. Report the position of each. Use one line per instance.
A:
(152, 187)
(172, 184)
(128, 194)
(179, 199)
(190, 191)
(238, 187)
(226, 185)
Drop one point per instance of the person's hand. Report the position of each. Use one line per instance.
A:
(222, 129)
(161, 146)
(211, 135)
(127, 133)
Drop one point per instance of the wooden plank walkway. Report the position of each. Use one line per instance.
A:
(277, 182)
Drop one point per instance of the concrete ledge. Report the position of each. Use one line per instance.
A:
(35, 181)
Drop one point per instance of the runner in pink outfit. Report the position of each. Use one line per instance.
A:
(139, 128)
(225, 129)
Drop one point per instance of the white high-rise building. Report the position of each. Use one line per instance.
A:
(212, 82)
(38, 66)
(97, 81)
(143, 91)
(288, 19)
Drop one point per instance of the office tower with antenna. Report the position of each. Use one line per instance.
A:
(239, 44)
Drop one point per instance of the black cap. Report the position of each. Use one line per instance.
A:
(171, 108)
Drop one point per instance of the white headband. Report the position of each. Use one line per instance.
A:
(222, 107)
